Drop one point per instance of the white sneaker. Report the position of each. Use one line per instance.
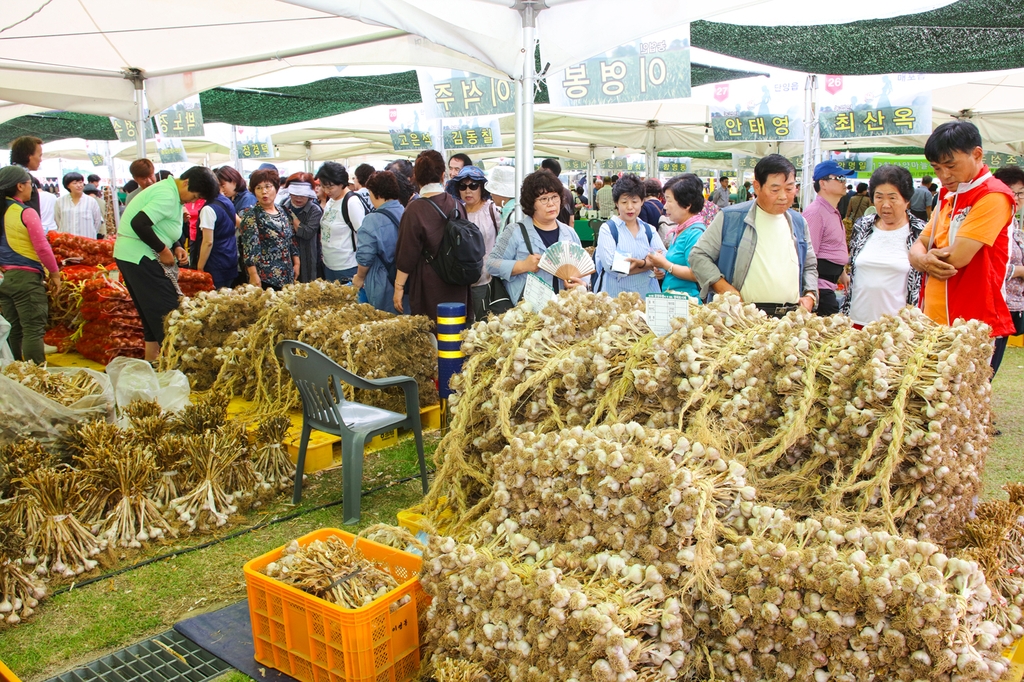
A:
(49, 350)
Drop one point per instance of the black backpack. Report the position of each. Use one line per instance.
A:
(460, 258)
(367, 208)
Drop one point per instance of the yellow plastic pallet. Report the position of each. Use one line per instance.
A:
(6, 675)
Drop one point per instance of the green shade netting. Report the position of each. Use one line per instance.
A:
(282, 105)
(965, 36)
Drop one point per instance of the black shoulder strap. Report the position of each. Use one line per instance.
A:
(526, 237)
(437, 208)
(348, 221)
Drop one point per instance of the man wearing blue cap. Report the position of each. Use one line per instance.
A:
(827, 232)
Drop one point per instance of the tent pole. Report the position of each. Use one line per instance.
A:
(519, 153)
(235, 161)
(309, 156)
(111, 168)
(140, 112)
(529, 14)
(591, 171)
(807, 187)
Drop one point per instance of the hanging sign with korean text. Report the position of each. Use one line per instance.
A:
(126, 129)
(171, 150)
(460, 94)
(680, 165)
(655, 67)
(254, 143)
(744, 161)
(184, 119)
(573, 164)
(873, 106)
(621, 163)
(458, 134)
(997, 160)
(758, 109)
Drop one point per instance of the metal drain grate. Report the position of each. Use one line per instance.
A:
(147, 661)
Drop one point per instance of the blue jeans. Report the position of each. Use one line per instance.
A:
(345, 275)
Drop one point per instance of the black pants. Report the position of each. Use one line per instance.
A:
(827, 302)
(152, 293)
(997, 354)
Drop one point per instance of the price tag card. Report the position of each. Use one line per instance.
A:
(537, 292)
(663, 308)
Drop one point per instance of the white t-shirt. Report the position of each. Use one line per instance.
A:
(83, 219)
(336, 237)
(882, 270)
(47, 208)
(774, 275)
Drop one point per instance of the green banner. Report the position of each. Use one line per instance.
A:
(673, 167)
(753, 128)
(623, 164)
(97, 159)
(997, 160)
(727, 174)
(887, 121)
(858, 165)
(410, 140)
(469, 138)
(573, 164)
(653, 68)
(744, 161)
(447, 95)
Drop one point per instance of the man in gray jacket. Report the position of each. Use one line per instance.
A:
(761, 249)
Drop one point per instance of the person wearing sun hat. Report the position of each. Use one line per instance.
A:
(470, 185)
(25, 259)
(827, 232)
(502, 186)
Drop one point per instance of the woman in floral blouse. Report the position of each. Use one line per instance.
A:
(270, 251)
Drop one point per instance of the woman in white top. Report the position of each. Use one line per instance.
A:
(342, 217)
(76, 213)
(881, 279)
(632, 238)
(469, 184)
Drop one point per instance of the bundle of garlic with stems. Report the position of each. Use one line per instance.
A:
(206, 413)
(661, 591)
(57, 541)
(168, 453)
(335, 571)
(20, 592)
(249, 366)
(271, 460)
(201, 325)
(207, 505)
(132, 517)
(242, 481)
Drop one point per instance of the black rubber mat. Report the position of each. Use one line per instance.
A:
(227, 633)
(167, 657)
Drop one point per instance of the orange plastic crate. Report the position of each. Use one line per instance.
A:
(316, 641)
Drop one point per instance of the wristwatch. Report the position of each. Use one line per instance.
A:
(814, 297)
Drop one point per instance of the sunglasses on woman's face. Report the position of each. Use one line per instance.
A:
(469, 186)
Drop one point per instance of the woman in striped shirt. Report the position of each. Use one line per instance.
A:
(76, 213)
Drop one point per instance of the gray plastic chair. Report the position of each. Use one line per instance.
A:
(324, 408)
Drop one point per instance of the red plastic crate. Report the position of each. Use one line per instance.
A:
(316, 641)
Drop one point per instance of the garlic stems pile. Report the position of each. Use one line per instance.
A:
(271, 460)
(332, 570)
(20, 591)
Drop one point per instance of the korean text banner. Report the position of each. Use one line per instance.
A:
(460, 94)
(871, 106)
(126, 129)
(184, 119)
(170, 149)
(414, 131)
(472, 133)
(759, 109)
(253, 143)
(655, 67)
(674, 166)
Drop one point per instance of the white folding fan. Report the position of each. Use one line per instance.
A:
(565, 260)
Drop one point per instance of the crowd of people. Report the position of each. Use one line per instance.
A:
(957, 252)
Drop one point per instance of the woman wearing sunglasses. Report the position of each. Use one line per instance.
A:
(469, 186)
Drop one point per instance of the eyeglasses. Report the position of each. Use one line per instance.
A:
(549, 199)
(836, 178)
(469, 186)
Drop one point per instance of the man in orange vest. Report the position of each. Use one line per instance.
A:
(965, 247)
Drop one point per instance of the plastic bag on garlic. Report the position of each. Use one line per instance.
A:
(28, 414)
(136, 379)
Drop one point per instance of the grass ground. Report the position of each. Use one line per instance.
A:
(76, 627)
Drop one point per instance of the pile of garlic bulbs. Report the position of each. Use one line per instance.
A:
(625, 553)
